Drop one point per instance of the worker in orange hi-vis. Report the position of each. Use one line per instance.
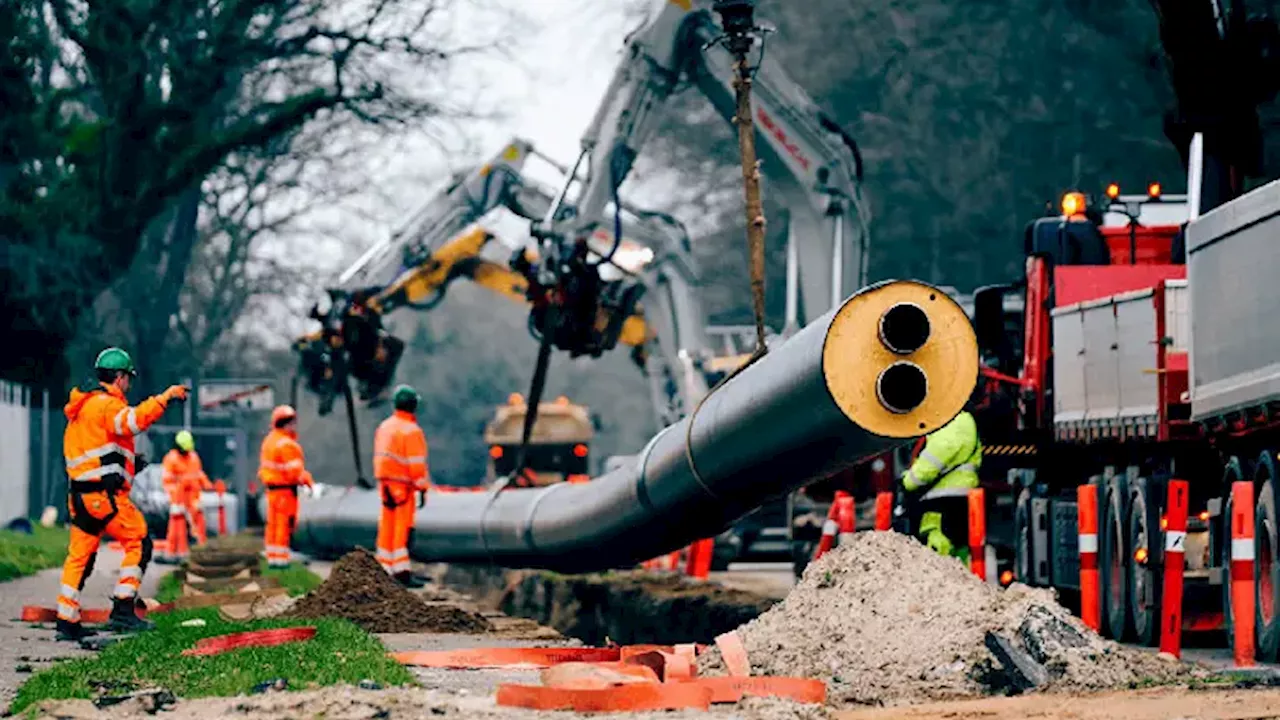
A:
(400, 465)
(175, 470)
(99, 452)
(281, 469)
(185, 479)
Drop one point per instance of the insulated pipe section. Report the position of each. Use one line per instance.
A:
(837, 392)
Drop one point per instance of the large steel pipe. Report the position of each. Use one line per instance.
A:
(835, 393)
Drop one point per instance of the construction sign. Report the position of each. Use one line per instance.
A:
(221, 398)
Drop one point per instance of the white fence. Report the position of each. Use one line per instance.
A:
(15, 451)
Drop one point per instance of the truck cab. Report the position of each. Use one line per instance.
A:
(559, 445)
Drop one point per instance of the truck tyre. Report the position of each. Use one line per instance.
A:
(1116, 623)
(1267, 573)
(1144, 587)
(1022, 554)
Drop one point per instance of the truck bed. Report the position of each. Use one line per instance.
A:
(1233, 258)
(1106, 360)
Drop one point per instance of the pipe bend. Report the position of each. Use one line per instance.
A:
(527, 531)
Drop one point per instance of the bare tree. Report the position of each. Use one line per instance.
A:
(128, 105)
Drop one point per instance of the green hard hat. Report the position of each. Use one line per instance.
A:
(404, 395)
(184, 440)
(115, 359)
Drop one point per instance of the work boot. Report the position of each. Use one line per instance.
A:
(124, 618)
(73, 631)
(409, 580)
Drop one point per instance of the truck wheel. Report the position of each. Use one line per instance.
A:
(1144, 582)
(1022, 555)
(1114, 565)
(1267, 574)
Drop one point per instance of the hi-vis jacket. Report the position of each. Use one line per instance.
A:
(184, 475)
(281, 463)
(950, 458)
(400, 451)
(98, 443)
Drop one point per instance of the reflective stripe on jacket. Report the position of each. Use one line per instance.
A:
(281, 464)
(400, 451)
(950, 458)
(98, 442)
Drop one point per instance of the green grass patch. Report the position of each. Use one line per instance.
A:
(296, 578)
(339, 653)
(22, 555)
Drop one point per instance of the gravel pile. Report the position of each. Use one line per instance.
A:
(359, 590)
(887, 621)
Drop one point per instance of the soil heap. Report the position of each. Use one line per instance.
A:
(359, 590)
(885, 620)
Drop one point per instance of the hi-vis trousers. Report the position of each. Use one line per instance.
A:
(282, 517)
(93, 515)
(394, 525)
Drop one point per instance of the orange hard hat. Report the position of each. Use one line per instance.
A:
(282, 412)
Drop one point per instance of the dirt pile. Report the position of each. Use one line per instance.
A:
(887, 621)
(359, 590)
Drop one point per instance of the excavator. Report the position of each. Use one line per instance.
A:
(584, 232)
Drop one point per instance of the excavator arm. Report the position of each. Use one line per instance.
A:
(813, 165)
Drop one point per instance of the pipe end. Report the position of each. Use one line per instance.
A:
(900, 359)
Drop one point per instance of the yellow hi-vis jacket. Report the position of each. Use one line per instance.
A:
(950, 458)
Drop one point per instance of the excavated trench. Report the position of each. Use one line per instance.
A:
(626, 608)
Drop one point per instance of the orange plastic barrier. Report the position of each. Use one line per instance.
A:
(978, 533)
(1087, 521)
(829, 528)
(221, 488)
(846, 517)
(257, 638)
(1175, 539)
(621, 698)
(480, 658)
(91, 616)
(734, 654)
(733, 689)
(1242, 558)
(884, 511)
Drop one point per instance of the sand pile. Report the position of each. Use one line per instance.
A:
(886, 621)
(359, 590)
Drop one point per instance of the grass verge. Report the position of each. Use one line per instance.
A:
(22, 555)
(296, 578)
(339, 653)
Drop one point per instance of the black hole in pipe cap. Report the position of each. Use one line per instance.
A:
(901, 387)
(904, 328)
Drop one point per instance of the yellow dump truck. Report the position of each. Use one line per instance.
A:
(559, 446)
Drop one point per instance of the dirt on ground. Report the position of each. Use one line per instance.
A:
(625, 607)
(1153, 704)
(886, 621)
(348, 703)
(359, 590)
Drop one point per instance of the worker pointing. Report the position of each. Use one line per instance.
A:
(400, 465)
(281, 470)
(99, 451)
(948, 467)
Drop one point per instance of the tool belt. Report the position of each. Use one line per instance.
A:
(81, 518)
(291, 489)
